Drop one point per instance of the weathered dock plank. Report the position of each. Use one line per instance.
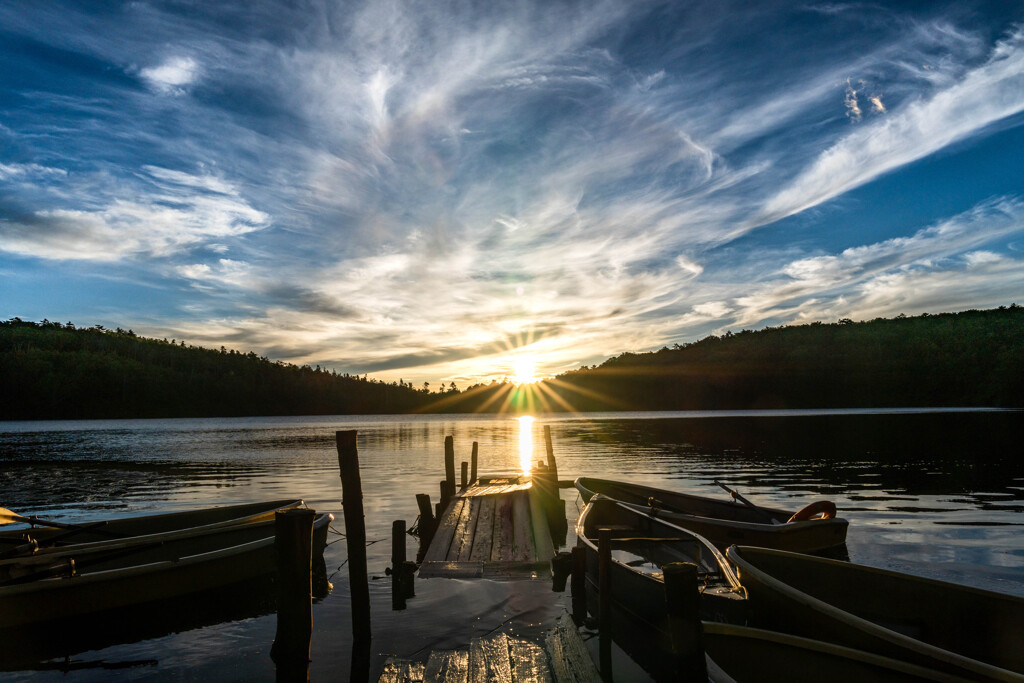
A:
(501, 548)
(570, 661)
(462, 541)
(488, 659)
(522, 533)
(484, 536)
(529, 662)
(447, 666)
(402, 671)
(438, 550)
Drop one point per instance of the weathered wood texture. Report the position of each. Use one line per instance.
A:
(562, 658)
(502, 532)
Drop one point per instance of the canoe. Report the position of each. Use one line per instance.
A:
(642, 545)
(967, 631)
(112, 531)
(188, 532)
(725, 523)
(137, 576)
(741, 653)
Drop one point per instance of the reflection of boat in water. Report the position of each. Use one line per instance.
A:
(642, 545)
(725, 523)
(153, 587)
(968, 631)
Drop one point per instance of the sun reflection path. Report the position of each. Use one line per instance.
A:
(525, 442)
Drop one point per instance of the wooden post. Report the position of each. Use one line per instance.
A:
(604, 590)
(682, 598)
(561, 567)
(449, 460)
(552, 465)
(472, 466)
(427, 523)
(465, 475)
(579, 583)
(293, 536)
(355, 533)
(397, 564)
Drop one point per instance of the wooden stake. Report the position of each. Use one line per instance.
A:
(552, 465)
(465, 475)
(397, 564)
(293, 534)
(355, 533)
(682, 598)
(449, 460)
(604, 590)
(472, 466)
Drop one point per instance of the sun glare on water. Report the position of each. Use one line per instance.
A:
(525, 369)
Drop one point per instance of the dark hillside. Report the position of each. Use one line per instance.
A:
(974, 358)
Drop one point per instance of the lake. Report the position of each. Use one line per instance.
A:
(939, 494)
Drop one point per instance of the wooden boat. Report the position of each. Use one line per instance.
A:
(741, 653)
(725, 523)
(147, 573)
(642, 545)
(25, 552)
(967, 631)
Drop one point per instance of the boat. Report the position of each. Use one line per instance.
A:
(29, 552)
(726, 523)
(146, 573)
(741, 653)
(962, 630)
(642, 545)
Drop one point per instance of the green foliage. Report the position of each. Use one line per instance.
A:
(53, 371)
(974, 358)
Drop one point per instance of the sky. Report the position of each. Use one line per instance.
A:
(437, 191)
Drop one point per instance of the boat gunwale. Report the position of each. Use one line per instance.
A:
(866, 626)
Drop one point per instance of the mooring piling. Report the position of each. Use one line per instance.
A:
(579, 584)
(472, 467)
(355, 533)
(449, 461)
(465, 476)
(293, 532)
(682, 597)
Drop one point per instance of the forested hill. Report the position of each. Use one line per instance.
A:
(974, 358)
(50, 371)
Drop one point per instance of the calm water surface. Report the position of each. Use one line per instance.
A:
(937, 494)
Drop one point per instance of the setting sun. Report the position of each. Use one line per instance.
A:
(525, 368)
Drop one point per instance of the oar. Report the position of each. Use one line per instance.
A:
(736, 495)
(8, 517)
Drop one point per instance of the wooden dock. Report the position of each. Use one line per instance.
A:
(561, 658)
(495, 528)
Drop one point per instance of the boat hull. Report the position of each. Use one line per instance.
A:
(134, 584)
(958, 629)
(725, 523)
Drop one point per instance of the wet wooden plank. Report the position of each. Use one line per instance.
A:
(484, 535)
(522, 534)
(401, 671)
(570, 661)
(544, 547)
(529, 662)
(442, 540)
(447, 666)
(493, 489)
(462, 542)
(488, 659)
(501, 542)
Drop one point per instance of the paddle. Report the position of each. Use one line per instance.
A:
(736, 496)
(8, 517)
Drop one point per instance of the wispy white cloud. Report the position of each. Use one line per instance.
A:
(172, 76)
(986, 94)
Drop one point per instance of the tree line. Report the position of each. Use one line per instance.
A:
(51, 370)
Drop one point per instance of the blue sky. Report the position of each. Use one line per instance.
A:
(429, 190)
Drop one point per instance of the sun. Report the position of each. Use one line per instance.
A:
(525, 369)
